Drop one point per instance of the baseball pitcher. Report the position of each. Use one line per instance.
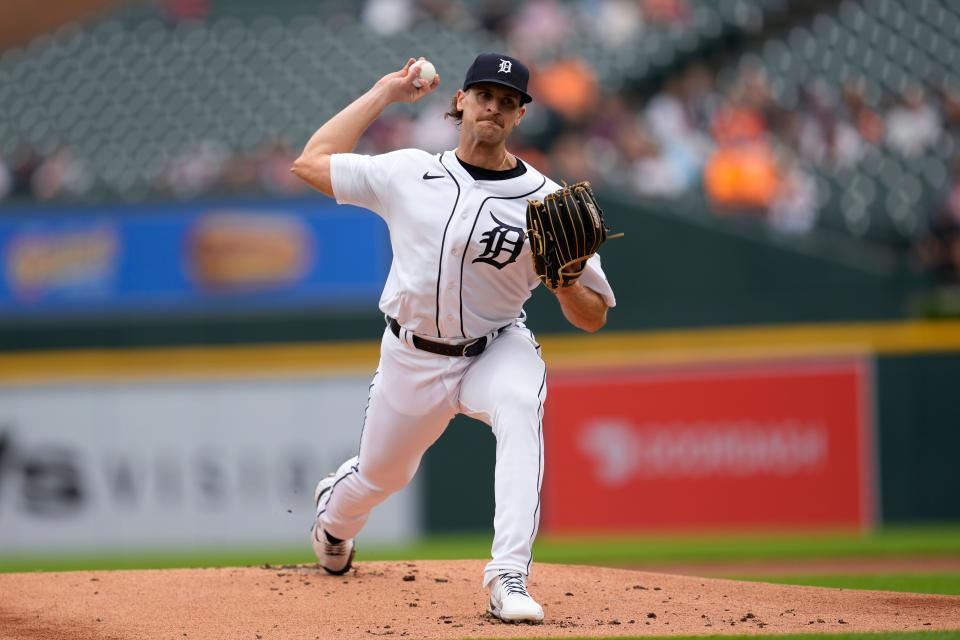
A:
(473, 230)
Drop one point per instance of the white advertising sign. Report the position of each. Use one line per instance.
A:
(151, 465)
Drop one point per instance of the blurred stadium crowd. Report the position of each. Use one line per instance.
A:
(810, 115)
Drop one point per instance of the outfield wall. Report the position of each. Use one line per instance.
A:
(153, 462)
(919, 429)
(884, 451)
(826, 426)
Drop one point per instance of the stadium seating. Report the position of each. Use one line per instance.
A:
(885, 46)
(131, 93)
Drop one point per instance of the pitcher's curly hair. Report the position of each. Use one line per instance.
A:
(456, 114)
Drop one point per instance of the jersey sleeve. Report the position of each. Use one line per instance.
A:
(594, 278)
(362, 180)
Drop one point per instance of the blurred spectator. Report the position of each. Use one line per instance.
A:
(521, 147)
(794, 207)
(738, 122)
(454, 15)
(821, 136)
(614, 23)
(742, 174)
(742, 177)
(388, 17)
(913, 125)
(62, 175)
(683, 148)
(273, 170)
(669, 12)
(665, 113)
(867, 122)
(700, 96)
(608, 131)
(539, 27)
(950, 108)
(6, 180)
(940, 244)
(844, 145)
(196, 170)
(430, 131)
(753, 91)
(569, 160)
(949, 213)
(610, 118)
(241, 175)
(495, 16)
(392, 130)
(652, 174)
(568, 87)
(186, 10)
(24, 165)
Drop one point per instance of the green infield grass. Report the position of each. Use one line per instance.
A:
(927, 540)
(890, 541)
(915, 635)
(942, 583)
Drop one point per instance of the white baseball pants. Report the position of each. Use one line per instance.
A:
(413, 397)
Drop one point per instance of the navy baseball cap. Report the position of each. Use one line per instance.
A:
(499, 69)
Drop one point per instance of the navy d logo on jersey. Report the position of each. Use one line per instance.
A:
(502, 244)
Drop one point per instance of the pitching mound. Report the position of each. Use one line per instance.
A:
(434, 600)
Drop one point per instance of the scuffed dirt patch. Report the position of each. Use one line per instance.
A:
(435, 600)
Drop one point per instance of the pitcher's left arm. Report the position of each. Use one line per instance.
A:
(583, 307)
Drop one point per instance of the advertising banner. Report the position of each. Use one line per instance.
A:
(238, 255)
(780, 444)
(151, 465)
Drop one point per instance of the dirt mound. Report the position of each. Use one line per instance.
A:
(434, 600)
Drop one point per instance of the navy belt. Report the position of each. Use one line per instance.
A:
(468, 350)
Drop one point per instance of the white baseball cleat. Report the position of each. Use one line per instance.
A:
(510, 601)
(335, 556)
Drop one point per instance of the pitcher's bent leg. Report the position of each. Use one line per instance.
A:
(391, 447)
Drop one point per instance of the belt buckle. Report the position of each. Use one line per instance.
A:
(467, 346)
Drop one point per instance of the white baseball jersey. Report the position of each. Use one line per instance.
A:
(461, 265)
(461, 270)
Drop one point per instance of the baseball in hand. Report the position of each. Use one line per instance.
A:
(427, 73)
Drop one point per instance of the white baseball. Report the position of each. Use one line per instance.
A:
(427, 73)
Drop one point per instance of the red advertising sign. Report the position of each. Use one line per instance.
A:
(730, 446)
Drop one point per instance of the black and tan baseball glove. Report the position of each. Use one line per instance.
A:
(564, 231)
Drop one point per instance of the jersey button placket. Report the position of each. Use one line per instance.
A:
(463, 208)
(450, 299)
(451, 287)
(452, 279)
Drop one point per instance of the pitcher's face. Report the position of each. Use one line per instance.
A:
(490, 112)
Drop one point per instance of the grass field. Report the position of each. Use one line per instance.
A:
(920, 635)
(941, 583)
(627, 551)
